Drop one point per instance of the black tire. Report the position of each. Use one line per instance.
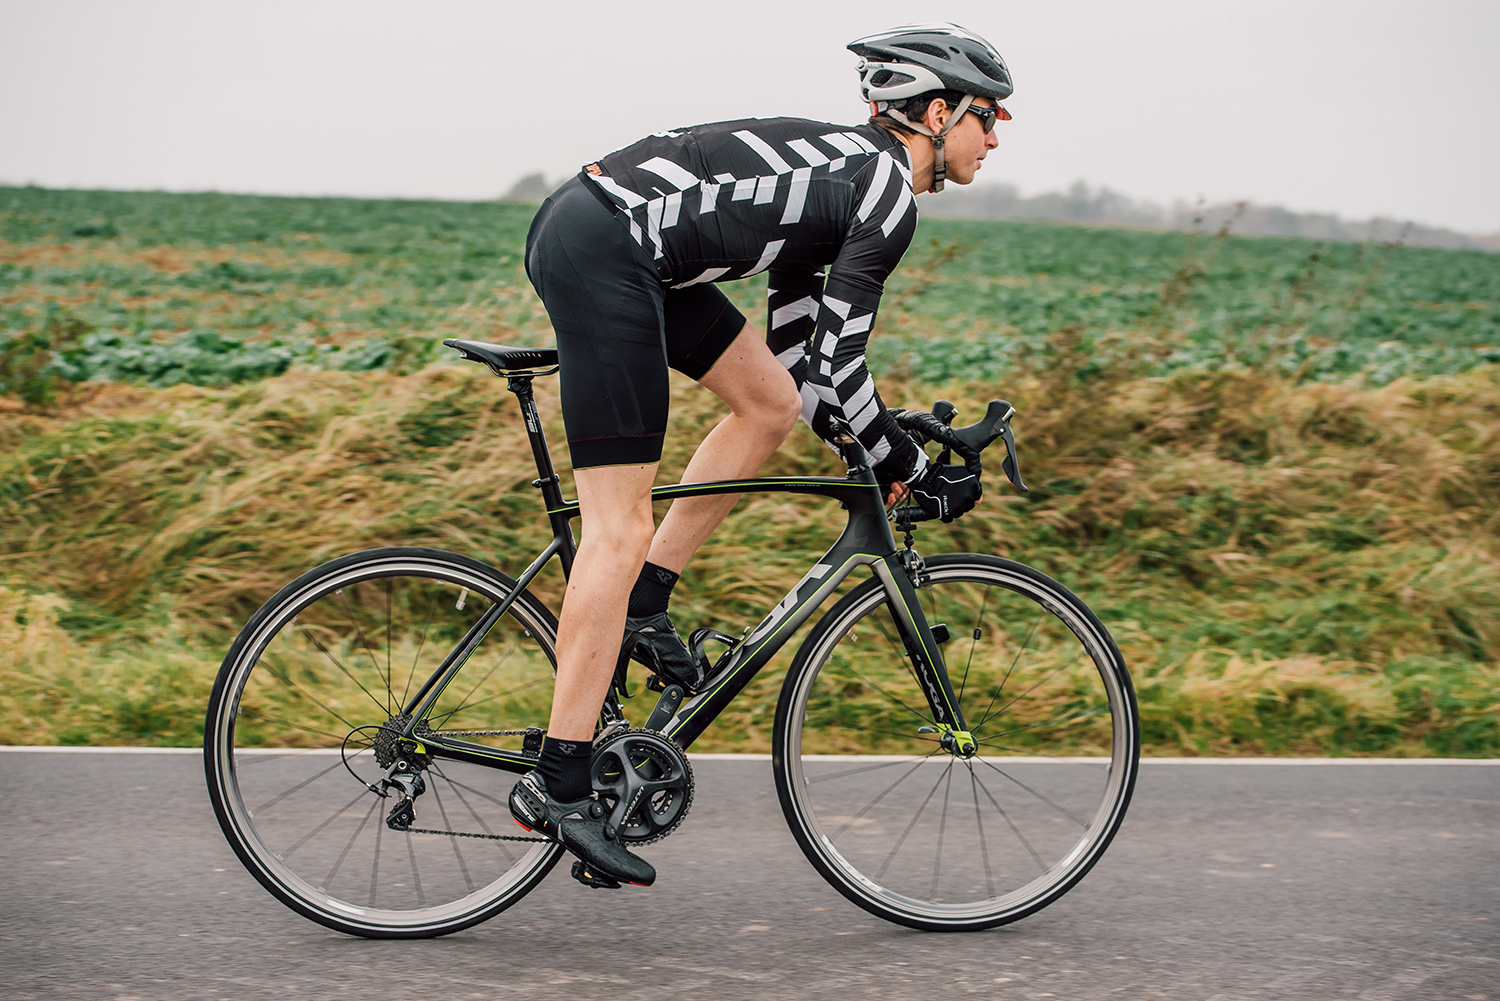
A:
(293, 732)
(872, 802)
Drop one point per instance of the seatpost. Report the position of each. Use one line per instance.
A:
(547, 480)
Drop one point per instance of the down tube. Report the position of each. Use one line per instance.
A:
(766, 639)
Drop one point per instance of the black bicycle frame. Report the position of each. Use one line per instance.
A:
(867, 540)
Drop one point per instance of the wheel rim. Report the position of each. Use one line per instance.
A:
(306, 701)
(912, 829)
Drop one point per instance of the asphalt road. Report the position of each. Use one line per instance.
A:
(1265, 880)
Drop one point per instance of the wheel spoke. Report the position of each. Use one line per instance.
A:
(341, 811)
(913, 822)
(889, 733)
(256, 715)
(903, 656)
(937, 861)
(457, 791)
(1044, 678)
(859, 771)
(1014, 661)
(300, 785)
(374, 661)
(1012, 825)
(464, 703)
(390, 584)
(498, 695)
(375, 861)
(448, 825)
(882, 691)
(312, 672)
(421, 644)
(416, 877)
(482, 795)
(286, 679)
(1092, 714)
(339, 664)
(923, 851)
(1062, 810)
(328, 880)
(984, 848)
(973, 643)
(882, 795)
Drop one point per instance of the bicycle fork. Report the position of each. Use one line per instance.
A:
(923, 641)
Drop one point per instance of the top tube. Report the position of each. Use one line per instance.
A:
(840, 487)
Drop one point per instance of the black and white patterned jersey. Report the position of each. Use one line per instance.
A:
(800, 200)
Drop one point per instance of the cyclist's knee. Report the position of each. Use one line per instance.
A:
(789, 407)
(625, 530)
(776, 408)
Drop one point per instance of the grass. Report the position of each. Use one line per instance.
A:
(206, 289)
(1272, 469)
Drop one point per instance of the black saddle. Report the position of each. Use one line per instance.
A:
(507, 361)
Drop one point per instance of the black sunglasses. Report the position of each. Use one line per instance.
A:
(989, 116)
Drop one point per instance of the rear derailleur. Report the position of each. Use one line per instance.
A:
(408, 784)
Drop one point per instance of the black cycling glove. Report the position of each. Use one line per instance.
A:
(946, 492)
(924, 427)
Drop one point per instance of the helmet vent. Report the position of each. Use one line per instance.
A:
(890, 78)
(988, 68)
(924, 47)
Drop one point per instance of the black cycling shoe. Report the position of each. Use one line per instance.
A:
(654, 640)
(579, 826)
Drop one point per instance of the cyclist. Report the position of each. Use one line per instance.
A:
(625, 257)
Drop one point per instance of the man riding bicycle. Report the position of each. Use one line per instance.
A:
(625, 257)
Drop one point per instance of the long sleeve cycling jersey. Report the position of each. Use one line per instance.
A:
(827, 210)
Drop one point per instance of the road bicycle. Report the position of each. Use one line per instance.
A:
(954, 746)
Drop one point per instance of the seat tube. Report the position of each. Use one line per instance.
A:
(547, 479)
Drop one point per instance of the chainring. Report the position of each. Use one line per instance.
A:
(645, 781)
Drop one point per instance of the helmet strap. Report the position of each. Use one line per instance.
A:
(939, 166)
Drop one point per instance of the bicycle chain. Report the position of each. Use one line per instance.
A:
(477, 733)
(466, 834)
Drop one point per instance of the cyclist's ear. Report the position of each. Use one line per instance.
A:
(937, 115)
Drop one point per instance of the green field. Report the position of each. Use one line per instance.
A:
(214, 289)
(1271, 466)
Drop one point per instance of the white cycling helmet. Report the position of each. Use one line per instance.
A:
(914, 59)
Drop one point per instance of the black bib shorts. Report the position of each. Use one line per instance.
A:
(619, 328)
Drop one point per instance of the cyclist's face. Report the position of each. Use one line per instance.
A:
(967, 145)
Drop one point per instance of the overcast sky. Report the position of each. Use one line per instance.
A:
(1360, 107)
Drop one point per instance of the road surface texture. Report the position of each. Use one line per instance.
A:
(1272, 880)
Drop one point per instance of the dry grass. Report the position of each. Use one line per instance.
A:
(1288, 568)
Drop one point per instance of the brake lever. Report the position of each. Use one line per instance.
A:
(1011, 464)
(994, 424)
(945, 412)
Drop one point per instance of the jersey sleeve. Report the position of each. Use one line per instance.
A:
(835, 381)
(794, 295)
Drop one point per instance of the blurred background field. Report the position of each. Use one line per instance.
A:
(1272, 466)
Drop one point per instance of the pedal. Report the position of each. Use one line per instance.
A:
(655, 684)
(582, 873)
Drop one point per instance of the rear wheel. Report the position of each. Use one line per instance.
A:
(303, 715)
(904, 825)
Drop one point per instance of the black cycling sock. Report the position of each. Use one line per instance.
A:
(652, 591)
(564, 764)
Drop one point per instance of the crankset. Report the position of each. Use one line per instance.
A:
(645, 781)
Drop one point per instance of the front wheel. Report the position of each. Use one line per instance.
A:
(304, 719)
(898, 820)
